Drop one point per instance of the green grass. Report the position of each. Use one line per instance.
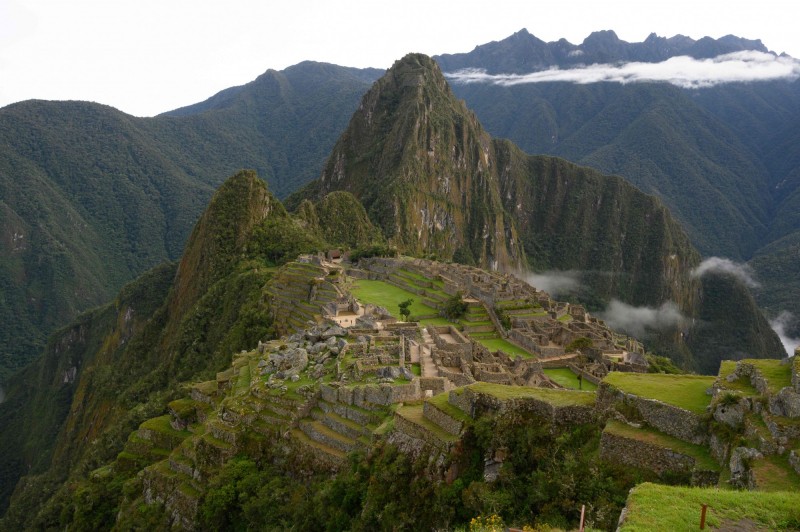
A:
(773, 473)
(567, 379)
(777, 375)
(700, 453)
(389, 296)
(658, 507)
(554, 397)
(684, 391)
(494, 344)
(413, 413)
(416, 369)
(741, 385)
(441, 402)
(161, 424)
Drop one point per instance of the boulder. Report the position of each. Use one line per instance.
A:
(741, 473)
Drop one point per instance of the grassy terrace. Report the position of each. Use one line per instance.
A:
(658, 507)
(389, 296)
(741, 385)
(773, 473)
(413, 413)
(554, 397)
(494, 344)
(567, 379)
(698, 452)
(442, 403)
(684, 391)
(777, 375)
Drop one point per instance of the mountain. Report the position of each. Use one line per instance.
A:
(522, 52)
(160, 408)
(72, 409)
(91, 197)
(438, 185)
(724, 159)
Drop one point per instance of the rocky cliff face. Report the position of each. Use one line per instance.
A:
(423, 168)
(438, 185)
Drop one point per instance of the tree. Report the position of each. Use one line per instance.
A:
(579, 344)
(455, 308)
(405, 308)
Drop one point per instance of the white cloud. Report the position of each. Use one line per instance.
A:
(682, 71)
(638, 321)
(720, 265)
(779, 325)
(555, 283)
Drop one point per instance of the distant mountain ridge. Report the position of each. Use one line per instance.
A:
(725, 159)
(523, 53)
(91, 197)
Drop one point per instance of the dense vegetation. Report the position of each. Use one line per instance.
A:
(123, 362)
(91, 197)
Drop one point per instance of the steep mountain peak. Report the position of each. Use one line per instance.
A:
(422, 166)
(602, 36)
(221, 235)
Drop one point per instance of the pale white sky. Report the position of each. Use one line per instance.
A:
(149, 56)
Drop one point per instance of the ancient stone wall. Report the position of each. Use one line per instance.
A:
(669, 419)
(637, 453)
(451, 425)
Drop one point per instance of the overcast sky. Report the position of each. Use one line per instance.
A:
(149, 56)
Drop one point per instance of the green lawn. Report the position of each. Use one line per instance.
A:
(777, 375)
(741, 385)
(684, 391)
(659, 507)
(554, 397)
(773, 473)
(567, 379)
(493, 344)
(389, 296)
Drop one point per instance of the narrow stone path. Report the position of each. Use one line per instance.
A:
(426, 361)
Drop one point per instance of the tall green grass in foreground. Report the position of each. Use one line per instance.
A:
(658, 507)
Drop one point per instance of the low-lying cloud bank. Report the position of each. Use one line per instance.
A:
(555, 283)
(639, 321)
(779, 325)
(719, 265)
(683, 71)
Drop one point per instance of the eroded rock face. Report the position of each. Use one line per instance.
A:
(394, 372)
(287, 363)
(786, 403)
(741, 473)
(731, 415)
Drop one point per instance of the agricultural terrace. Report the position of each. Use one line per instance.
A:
(567, 379)
(684, 391)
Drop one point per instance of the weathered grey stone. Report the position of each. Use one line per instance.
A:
(334, 331)
(786, 403)
(741, 474)
(731, 415)
(719, 448)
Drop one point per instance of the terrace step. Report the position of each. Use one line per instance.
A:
(345, 427)
(323, 434)
(304, 439)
